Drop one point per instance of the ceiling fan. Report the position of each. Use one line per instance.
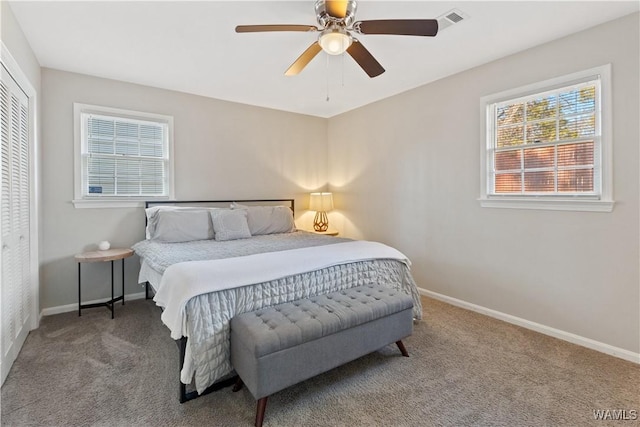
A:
(336, 20)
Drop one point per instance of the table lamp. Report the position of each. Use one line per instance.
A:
(321, 203)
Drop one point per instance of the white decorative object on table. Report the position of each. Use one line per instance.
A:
(104, 245)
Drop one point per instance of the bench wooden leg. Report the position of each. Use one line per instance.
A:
(402, 348)
(262, 405)
(238, 385)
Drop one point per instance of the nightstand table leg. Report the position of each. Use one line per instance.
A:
(122, 281)
(113, 304)
(79, 292)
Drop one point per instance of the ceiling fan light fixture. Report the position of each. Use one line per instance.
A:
(335, 41)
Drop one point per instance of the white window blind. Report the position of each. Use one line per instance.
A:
(123, 156)
(546, 142)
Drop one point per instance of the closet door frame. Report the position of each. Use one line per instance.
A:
(18, 75)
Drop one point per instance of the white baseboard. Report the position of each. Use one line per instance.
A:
(543, 329)
(74, 307)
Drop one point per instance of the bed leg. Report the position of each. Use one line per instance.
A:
(238, 385)
(182, 390)
(146, 290)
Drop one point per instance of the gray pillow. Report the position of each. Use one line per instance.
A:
(182, 226)
(268, 219)
(230, 224)
(152, 216)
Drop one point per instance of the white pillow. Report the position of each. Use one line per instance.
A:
(182, 226)
(268, 219)
(230, 224)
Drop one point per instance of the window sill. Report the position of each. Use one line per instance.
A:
(548, 204)
(101, 204)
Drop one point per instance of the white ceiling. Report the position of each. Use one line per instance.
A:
(192, 46)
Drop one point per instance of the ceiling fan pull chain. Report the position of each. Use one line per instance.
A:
(343, 70)
(327, 74)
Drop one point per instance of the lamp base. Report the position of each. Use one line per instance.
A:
(321, 222)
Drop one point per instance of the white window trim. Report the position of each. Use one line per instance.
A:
(554, 202)
(113, 202)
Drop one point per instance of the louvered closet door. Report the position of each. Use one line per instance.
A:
(15, 288)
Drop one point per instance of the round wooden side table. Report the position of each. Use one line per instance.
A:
(102, 256)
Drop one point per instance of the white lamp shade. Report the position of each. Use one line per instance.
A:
(321, 202)
(334, 42)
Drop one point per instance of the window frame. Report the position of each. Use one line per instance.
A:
(83, 201)
(602, 201)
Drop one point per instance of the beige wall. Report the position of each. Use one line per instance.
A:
(223, 150)
(407, 171)
(14, 39)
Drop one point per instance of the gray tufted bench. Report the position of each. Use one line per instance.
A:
(276, 347)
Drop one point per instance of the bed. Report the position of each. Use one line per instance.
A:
(207, 261)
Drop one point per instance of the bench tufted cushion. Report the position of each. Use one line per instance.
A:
(287, 325)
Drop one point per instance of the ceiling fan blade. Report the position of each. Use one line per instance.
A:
(263, 28)
(337, 8)
(402, 27)
(362, 56)
(303, 59)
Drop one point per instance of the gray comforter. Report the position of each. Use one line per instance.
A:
(159, 255)
(208, 316)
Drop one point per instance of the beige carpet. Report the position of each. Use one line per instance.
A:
(465, 369)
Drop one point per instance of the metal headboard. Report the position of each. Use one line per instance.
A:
(222, 203)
